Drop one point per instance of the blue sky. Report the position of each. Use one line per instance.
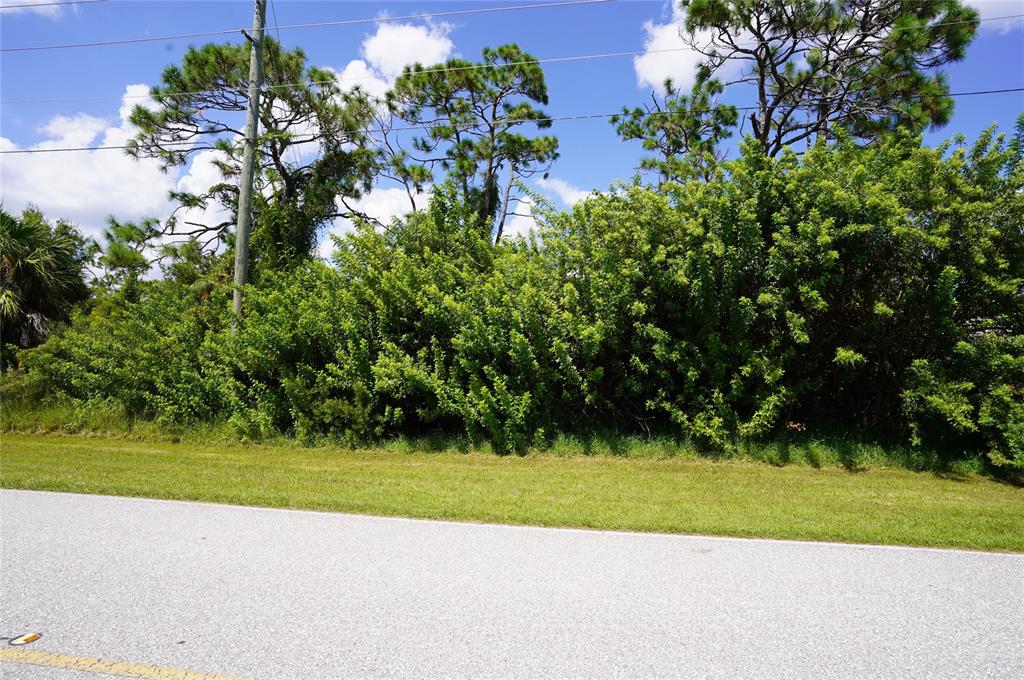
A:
(86, 187)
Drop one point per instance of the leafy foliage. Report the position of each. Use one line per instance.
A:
(42, 276)
(312, 147)
(869, 67)
(145, 355)
(471, 113)
(683, 132)
(878, 288)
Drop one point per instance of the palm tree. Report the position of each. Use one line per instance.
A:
(41, 275)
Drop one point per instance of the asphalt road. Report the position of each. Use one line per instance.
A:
(287, 594)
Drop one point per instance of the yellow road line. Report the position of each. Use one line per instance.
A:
(125, 669)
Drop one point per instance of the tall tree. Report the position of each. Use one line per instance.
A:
(682, 132)
(471, 115)
(312, 145)
(42, 276)
(867, 65)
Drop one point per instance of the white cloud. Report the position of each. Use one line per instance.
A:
(390, 49)
(990, 9)
(385, 204)
(203, 174)
(655, 65)
(11, 7)
(136, 94)
(86, 187)
(567, 193)
(667, 55)
(78, 130)
(358, 72)
(394, 46)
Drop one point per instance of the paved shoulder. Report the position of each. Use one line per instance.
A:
(223, 590)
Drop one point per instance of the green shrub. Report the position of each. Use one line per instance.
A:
(145, 356)
(877, 289)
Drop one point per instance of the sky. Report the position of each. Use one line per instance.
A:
(86, 187)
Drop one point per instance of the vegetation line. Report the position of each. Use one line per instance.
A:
(832, 275)
(693, 496)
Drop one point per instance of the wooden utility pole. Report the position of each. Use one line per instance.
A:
(244, 224)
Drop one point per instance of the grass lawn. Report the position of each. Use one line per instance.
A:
(698, 496)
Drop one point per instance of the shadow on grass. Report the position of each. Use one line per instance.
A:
(849, 456)
(850, 450)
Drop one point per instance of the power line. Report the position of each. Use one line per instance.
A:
(283, 86)
(548, 60)
(51, 4)
(340, 22)
(546, 119)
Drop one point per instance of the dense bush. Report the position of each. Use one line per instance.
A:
(877, 288)
(41, 278)
(147, 357)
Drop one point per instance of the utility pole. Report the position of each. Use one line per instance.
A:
(252, 122)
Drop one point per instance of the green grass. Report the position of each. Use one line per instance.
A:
(817, 449)
(665, 494)
(99, 419)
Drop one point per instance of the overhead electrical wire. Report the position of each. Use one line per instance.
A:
(548, 60)
(277, 28)
(51, 4)
(352, 22)
(546, 119)
(283, 86)
(319, 24)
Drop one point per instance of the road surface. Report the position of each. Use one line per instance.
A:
(164, 588)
